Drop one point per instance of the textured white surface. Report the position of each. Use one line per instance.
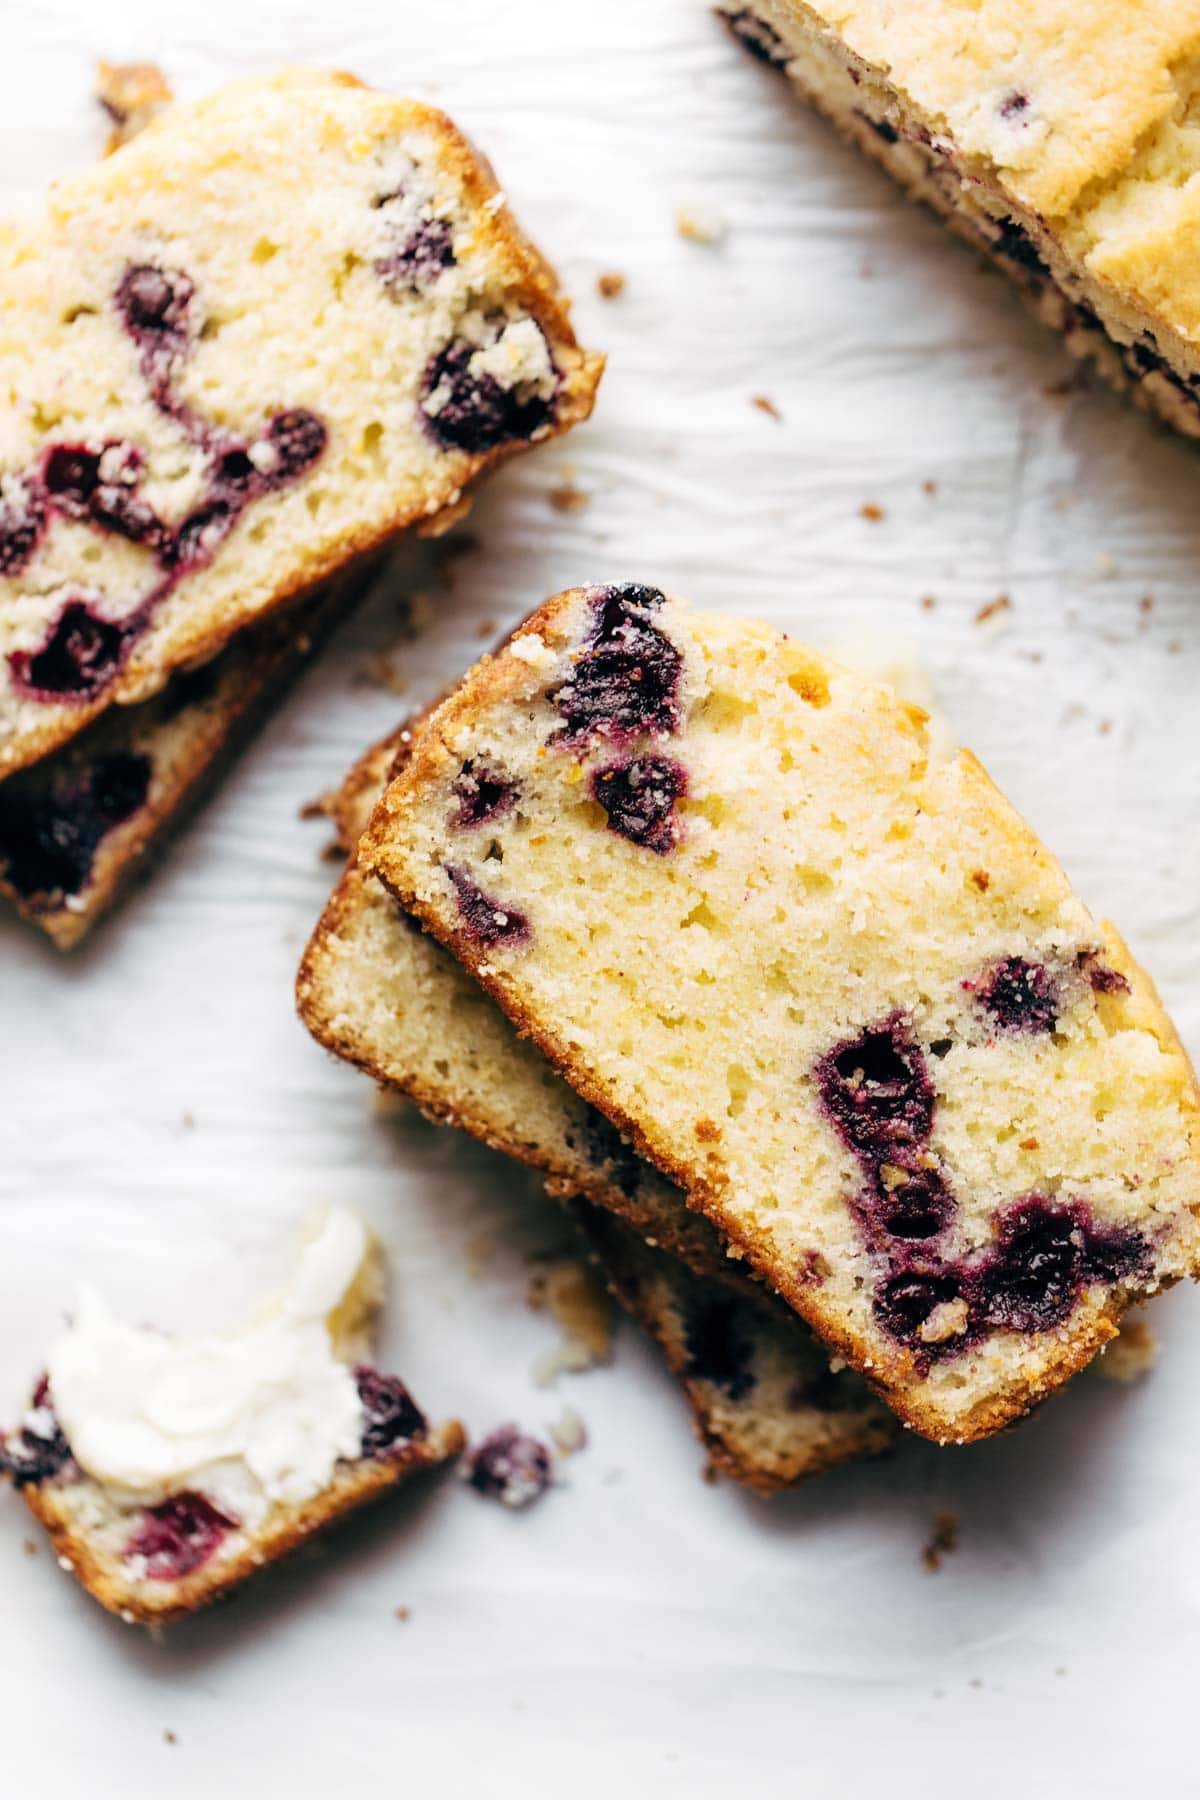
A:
(166, 1121)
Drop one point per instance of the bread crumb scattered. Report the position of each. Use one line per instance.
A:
(929, 487)
(766, 405)
(169, 1737)
(1104, 567)
(574, 1295)
(610, 285)
(701, 225)
(569, 1433)
(1146, 603)
(29, 1547)
(403, 1612)
(869, 510)
(993, 609)
(928, 601)
(943, 1541)
(379, 671)
(566, 498)
(1131, 1355)
(131, 94)
(323, 807)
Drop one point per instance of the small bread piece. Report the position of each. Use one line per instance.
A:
(154, 1559)
(77, 827)
(1055, 136)
(268, 334)
(385, 996)
(838, 991)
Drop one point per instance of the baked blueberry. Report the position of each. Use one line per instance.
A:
(639, 797)
(391, 1417)
(178, 1536)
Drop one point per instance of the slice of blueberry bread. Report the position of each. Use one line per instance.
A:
(273, 330)
(378, 991)
(764, 1401)
(168, 1472)
(832, 986)
(77, 827)
(1056, 138)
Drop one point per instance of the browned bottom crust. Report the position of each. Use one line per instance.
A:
(287, 1529)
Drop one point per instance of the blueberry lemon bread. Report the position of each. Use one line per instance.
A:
(1057, 136)
(167, 1473)
(273, 330)
(835, 989)
(78, 825)
(381, 993)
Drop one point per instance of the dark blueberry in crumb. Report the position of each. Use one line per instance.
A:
(487, 921)
(153, 303)
(233, 470)
(914, 1204)
(1044, 1254)
(391, 1417)
(78, 659)
(22, 518)
(482, 795)
(178, 1536)
(37, 1450)
(1016, 246)
(719, 1338)
(877, 1091)
(634, 593)
(1014, 105)
(99, 487)
(639, 797)
(198, 537)
(71, 474)
(606, 1146)
(756, 36)
(883, 130)
(298, 439)
(509, 1467)
(474, 412)
(626, 681)
(1101, 978)
(420, 259)
(49, 835)
(1020, 996)
(904, 1303)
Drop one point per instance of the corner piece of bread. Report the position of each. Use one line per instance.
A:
(277, 328)
(94, 1529)
(833, 987)
(381, 994)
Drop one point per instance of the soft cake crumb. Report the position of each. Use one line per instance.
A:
(701, 225)
(530, 648)
(943, 1541)
(574, 1295)
(569, 1432)
(1130, 1356)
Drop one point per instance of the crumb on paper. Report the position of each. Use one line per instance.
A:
(710, 1474)
(610, 285)
(943, 1541)
(572, 1292)
(765, 404)
(1146, 603)
(169, 1737)
(993, 609)
(187, 1119)
(403, 1613)
(1105, 566)
(929, 487)
(928, 602)
(701, 225)
(486, 628)
(480, 1254)
(567, 498)
(1131, 1355)
(323, 807)
(380, 671)
(131, 94)
(569, 1433)
(869, 510)
(29, 1547)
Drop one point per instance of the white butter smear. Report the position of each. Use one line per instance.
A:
(258, 1415)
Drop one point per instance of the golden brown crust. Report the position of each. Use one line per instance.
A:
(288, 1528)
(533, 283)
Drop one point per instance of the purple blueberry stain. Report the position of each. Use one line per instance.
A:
(509, 1466)
(639, 797)
(484, 795)
(469, 410)
(488, 922)
(22, 521)
(79, 656)
(913, 1203)
(178, 1536)
(876, 1090)
(625, 681)
(1102, 978)
(1014, 105)
(718, 1336)
(36, 1451)
(49, 834)
(905, 1305)
(391, 1417)
(415, 264)
(99, 488)
(1018, 996)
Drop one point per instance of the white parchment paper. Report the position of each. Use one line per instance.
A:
(165, 1120)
